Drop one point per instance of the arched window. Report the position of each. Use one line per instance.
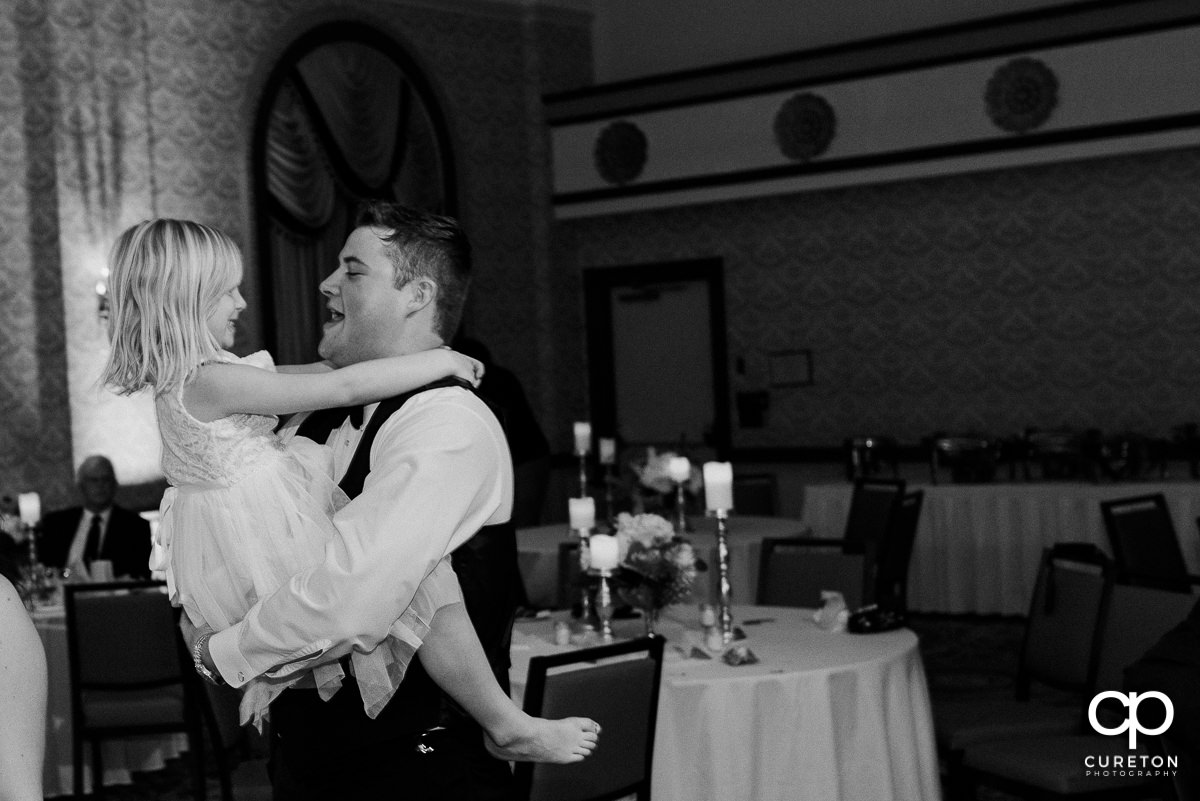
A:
(346, 115)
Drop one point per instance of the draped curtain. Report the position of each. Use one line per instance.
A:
(343, 125)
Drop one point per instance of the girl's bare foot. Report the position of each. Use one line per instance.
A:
(540, 740)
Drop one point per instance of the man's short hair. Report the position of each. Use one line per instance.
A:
(421, 244)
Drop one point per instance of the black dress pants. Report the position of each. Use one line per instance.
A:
(327, 751)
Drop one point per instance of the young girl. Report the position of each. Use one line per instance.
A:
(244, 513)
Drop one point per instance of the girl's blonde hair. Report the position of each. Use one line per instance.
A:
(165, 277)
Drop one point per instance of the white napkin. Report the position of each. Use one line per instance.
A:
(833, 614)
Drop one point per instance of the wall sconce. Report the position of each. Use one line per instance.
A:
(102, 296)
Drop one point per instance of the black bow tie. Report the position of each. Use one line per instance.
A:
(323, 422)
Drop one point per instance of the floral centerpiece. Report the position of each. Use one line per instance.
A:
(649, 485)
(657, 566)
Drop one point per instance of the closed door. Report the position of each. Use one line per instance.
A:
(656, 343)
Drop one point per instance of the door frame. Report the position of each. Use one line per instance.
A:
(598, 283)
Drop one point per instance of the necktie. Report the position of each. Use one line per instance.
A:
(91, 550)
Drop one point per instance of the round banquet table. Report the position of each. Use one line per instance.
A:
(822, 716)
(121, 756)
(537, 552)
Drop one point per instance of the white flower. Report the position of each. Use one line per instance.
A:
(11, 525)
(685, 556)
(655, 473)
(647, 530)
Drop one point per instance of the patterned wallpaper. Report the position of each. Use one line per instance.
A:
(111, 112)
(1043, 296)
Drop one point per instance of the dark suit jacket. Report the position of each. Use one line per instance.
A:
(126, 542)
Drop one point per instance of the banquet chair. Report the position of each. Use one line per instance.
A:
(867, 456)
(131, 675)
(968, 458)
(1056, 660)
(895, 554)
(617, 686)
(1048, 766)
(1144, 545)
(793, 571)
(756, 494)
(1062, 454)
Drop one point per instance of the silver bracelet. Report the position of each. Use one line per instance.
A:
(211, 676)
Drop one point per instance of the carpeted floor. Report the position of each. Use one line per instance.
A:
(962, 654)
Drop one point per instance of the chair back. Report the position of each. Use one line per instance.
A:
(125, 651)
(1062, 454)
(895, 553)
(1060, 631)
(615, 685)
(1144, 544)
(873, 504)
(793, 571)
(570, 574)
(969, 458)
(756, 494)
(1135, 618)
(866, 456)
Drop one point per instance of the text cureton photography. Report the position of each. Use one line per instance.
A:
(1132, 764)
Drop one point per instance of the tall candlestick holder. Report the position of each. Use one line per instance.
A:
(681, 521)
(604, 605)
(586, 610)
(610, 478)
(38, 587)
(725, 606)
(583, 485)
(31, 551)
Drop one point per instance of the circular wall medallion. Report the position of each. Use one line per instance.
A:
(804, 126)
(620, 152)
(1021, 95)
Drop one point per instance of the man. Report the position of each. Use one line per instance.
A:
(423, 481)
(99, 529)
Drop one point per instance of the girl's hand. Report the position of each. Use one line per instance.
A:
(466, 368)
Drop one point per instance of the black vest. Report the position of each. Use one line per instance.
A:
(486, 566)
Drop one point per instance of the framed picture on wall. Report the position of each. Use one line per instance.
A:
(791, 368)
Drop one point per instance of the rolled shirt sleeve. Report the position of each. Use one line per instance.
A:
(440, 471)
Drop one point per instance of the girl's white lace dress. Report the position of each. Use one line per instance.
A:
(243, 514)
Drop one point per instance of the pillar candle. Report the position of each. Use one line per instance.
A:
(718, 486)
(29, 505)
(604, 551)
(582, 512)
(679, 469)
(608, 450)
(583, 438)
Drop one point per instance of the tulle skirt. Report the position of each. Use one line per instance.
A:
(225, 547)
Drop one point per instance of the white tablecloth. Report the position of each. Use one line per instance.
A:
(978, 545)
(822, 716)
(120, 756)
(538, 555)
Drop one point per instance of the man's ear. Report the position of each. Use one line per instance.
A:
(423, 293)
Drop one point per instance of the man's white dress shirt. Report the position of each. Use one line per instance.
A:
(440, 471)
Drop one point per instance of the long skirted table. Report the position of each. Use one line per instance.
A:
(978, 545)
(821, 717)
(121, 756)
(537, 553)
